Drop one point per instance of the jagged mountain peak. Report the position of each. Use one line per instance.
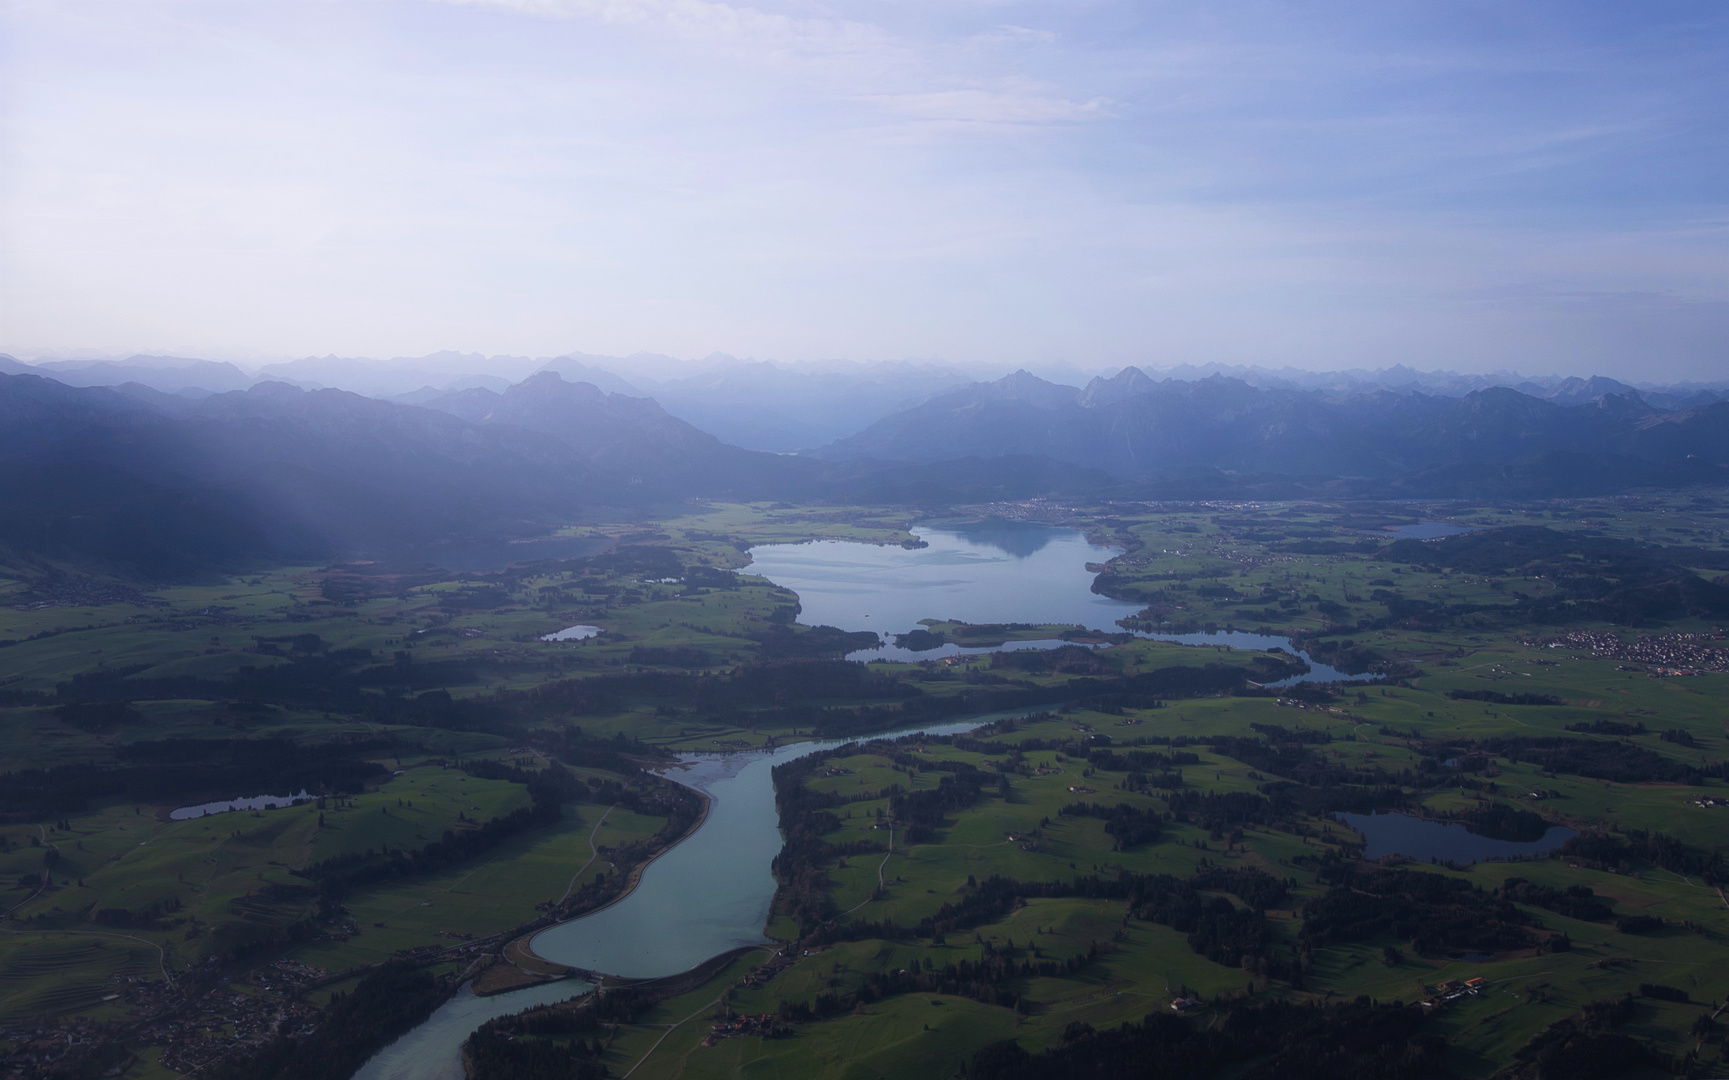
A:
(549, 381)
(1023, 385)
(1227, 423)
(582, 368)
(1624, 404)
(273, 388)
(1126, 383)
(1575, 390)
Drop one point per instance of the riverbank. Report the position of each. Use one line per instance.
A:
(523, 942)
(666, 986)
(639, 995)
(688, 925)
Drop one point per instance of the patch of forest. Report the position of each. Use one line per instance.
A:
(1436, 914)
(1273, 1040)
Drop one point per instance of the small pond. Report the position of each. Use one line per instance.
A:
(572, 633)
(224, 806)
(1443, 841)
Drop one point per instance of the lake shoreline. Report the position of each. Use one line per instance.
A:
(1449, 841)
(631, 881)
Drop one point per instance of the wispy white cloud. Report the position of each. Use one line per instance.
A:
(1003, 105)
(1008, 33)
(862, 61)
(725, 24)
(1109, 180)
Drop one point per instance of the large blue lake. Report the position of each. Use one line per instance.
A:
(981, 572)
(990, 571)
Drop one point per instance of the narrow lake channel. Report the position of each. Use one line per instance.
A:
(707, 895)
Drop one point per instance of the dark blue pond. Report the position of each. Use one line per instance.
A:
(1443, 841)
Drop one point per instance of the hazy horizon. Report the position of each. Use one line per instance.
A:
(653, 369)
(1473, 189)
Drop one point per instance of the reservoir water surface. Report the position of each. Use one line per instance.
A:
(981, 572)
(990, 571)
(705, 896)
(711, 893)
(433, 1051)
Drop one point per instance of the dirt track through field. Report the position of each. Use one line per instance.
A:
(594, 853)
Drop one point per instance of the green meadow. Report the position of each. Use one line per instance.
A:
(1463, 659)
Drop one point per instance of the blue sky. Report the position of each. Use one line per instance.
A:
(1474, 186)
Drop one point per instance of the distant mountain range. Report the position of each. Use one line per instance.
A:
(763, 406)
(1134, 427)
(757, 405)
(631, 438)
(165, 484)
(156, 485)
(1562, 389)
(169, 374)
(773, 407)
(781, 408)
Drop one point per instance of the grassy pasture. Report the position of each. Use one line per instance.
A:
(482, 896)
(220, 868)
(1193, 568)
(1147, 964)
(57, 972)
